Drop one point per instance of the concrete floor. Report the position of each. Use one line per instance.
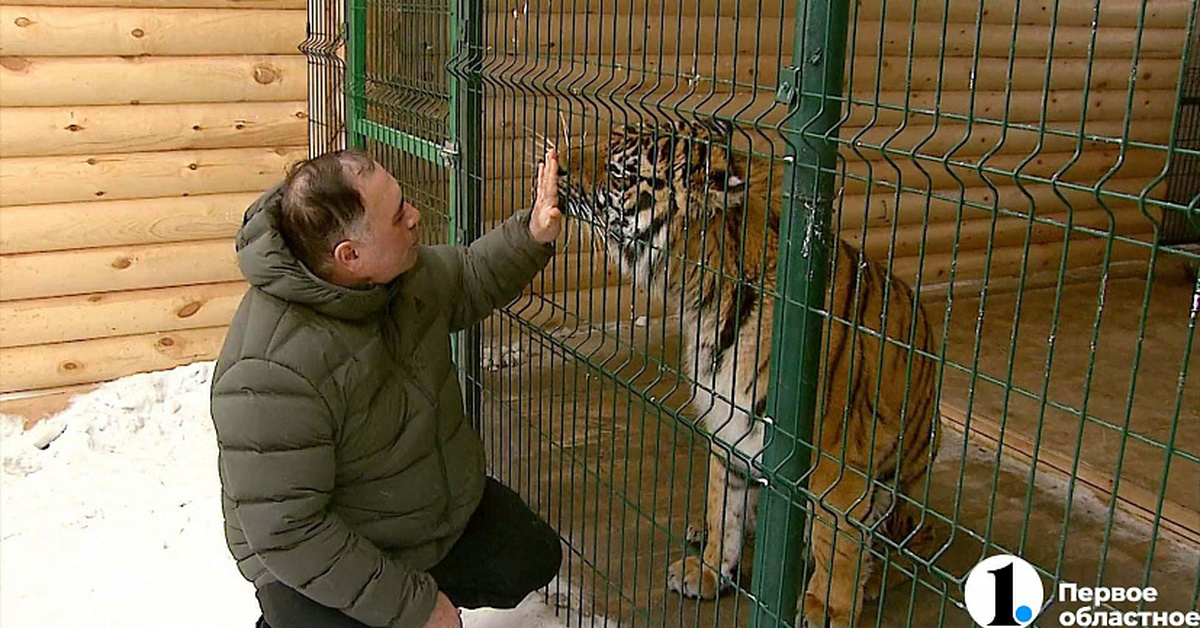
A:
(1148, 401)
(621, 478)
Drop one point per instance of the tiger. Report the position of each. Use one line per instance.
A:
(673, 207)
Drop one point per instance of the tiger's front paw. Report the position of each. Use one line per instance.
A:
(818, 615)
(691, 578)
(924, 543)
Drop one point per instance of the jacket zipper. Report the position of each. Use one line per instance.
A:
(402, 364)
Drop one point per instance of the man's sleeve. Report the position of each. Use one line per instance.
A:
(492, 271)
(276, 439)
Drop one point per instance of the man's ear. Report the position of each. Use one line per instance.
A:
(346, 256)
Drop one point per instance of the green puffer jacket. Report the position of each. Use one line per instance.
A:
(347, 467)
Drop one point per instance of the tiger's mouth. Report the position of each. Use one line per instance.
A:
(576, 202)
(589, 206)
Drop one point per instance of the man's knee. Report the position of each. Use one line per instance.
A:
(546, 558)
(536, 553)
(553, 562)
(550, 558)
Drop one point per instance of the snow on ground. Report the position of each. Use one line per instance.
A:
(110, 516)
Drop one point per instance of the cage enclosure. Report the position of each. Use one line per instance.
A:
(918, 275)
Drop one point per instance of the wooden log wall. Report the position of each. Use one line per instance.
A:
(133, 134)
(972, 100)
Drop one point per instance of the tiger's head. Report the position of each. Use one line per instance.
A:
(657, 189)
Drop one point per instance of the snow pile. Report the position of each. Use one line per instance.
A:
(110, 516)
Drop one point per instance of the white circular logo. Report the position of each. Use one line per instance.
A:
(1004, 591)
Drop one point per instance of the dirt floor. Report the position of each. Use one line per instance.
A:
(581, 420)
(1053, 360)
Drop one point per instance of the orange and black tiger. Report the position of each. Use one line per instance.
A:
(675, 209)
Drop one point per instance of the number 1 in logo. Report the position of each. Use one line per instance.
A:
(1003, 591)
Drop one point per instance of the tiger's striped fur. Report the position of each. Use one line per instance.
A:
(675, 207)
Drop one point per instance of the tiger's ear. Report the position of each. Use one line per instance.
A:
(625, 129)
(727, 181)
(719, 127)
(726, 188)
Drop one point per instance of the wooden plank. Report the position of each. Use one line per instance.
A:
(713, 73)
(1136, 168)
(1063, 106)
(980, 234)
(505, 158)
(1030, 42)
(1085, 252)
(653, 8)
(62, 226)
(518, 113)
(35, 180)
(630, 38)
(884, 207)
(56, 82)
(88, 361)
(934, 295)
(168, 4)
(48, 131)
(30, 31)
(87, 271)
(1135, 500)
(1085, 169)
(1114, 13)
(958, 140)
(625, 37)
(1027, 75)
(41, 404)
(85, 317)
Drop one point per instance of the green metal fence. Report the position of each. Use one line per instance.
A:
(1027, 167)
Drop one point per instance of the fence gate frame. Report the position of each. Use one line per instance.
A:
(461, 154)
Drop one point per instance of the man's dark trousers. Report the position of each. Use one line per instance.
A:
(505, 553)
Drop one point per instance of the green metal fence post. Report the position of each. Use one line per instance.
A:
(466, 188)
(356, 72)
(812, 88)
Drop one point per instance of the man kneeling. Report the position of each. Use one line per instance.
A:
(354, 491)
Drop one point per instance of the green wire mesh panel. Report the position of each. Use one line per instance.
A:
(324, 50)
(1005, 159)
(1014, 164)
(1183, 180)
(398, 99)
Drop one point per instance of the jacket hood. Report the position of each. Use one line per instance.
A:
(268, 264)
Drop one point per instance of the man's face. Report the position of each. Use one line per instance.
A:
(390, 246)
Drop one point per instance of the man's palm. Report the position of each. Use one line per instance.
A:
(546, 222)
